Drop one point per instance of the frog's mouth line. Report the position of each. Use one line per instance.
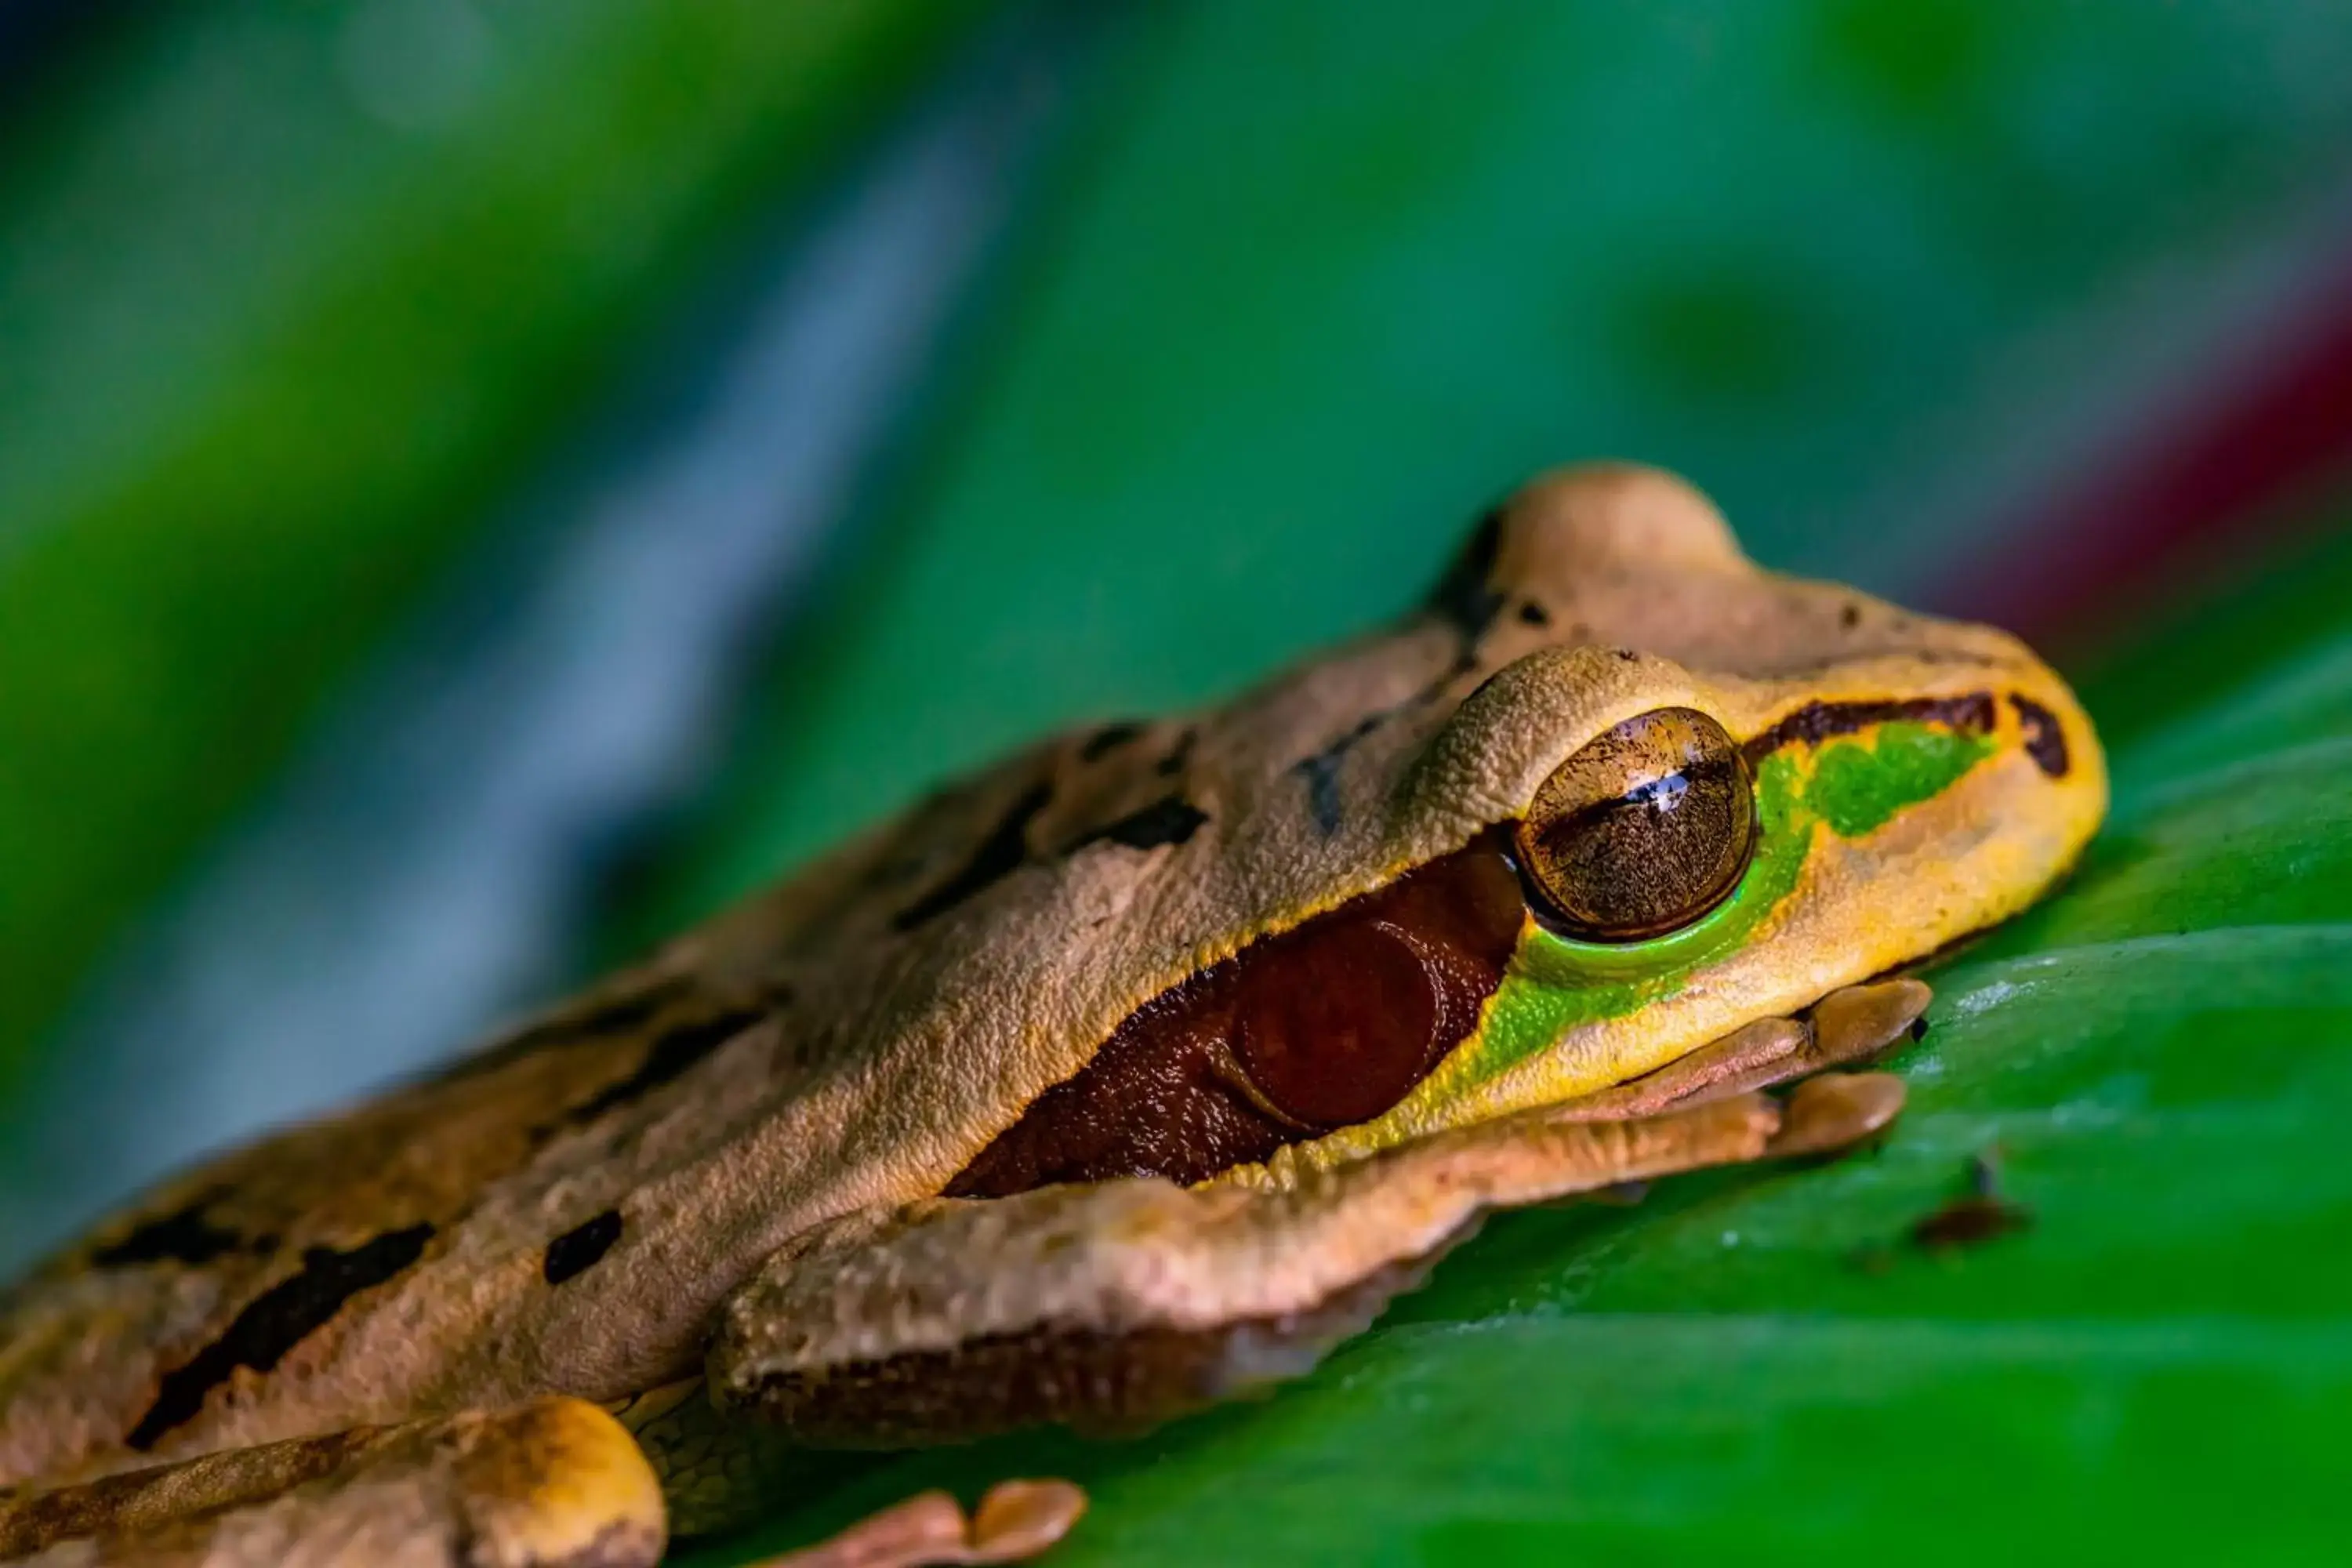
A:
(1851, 1025)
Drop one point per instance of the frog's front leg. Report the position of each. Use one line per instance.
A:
(1113, 1305)
(554, 1483)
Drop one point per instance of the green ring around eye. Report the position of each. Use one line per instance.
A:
(1549, 957)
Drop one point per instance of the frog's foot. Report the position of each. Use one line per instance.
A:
(1117, 1305)
(556, 1483)
(1850, 1024)
(1015, 1521)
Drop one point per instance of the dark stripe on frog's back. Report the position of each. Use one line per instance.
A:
(676, 1047)
(1110, 738)
(1169, 820)
(619, 1015)
(275, 1321)
(1465, 596)
(1006, 847)
(363, 1196)
(425, 1154)
(181, 1234)
(1002, 851)
(1319, 769)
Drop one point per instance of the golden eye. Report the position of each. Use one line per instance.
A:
(1641, 832)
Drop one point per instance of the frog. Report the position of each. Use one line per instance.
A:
(1127, 1076)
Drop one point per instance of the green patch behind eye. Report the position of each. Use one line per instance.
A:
(1857, 788)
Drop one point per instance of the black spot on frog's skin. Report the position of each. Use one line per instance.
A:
(578, 1249)
(1108, 739)
(1465, 595)
(184, 1235)
(1321, 773)
(275, 1321)
(1001, 854)
(2045, 738)
(1170, 819)
(624, 1014)
(1850, 616)
(1321, 770)
(674, 1050)
(1534, 615)
(1178, 756)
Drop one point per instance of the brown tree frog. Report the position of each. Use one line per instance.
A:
(1135, 1072)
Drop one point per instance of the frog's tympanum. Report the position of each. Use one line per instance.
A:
(1133, 1072)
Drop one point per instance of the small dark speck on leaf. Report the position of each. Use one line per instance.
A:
(1978, 1215)
(1969, 1222)
(1974, 1217)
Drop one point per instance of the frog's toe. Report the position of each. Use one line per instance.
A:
(1856, 1023)
(1835, 1111)
(1014, 1522)
(1117, 1305)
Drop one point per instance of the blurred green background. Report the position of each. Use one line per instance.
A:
(481, 483)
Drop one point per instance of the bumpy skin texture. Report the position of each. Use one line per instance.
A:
(569, 1210)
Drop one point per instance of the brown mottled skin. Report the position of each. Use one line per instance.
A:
(722, 1143)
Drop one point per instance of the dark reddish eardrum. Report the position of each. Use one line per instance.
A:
(1331, 1023)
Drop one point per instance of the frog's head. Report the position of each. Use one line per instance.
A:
(1616, 795)
(1726, 793)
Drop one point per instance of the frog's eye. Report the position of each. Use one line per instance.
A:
(1641, 832)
